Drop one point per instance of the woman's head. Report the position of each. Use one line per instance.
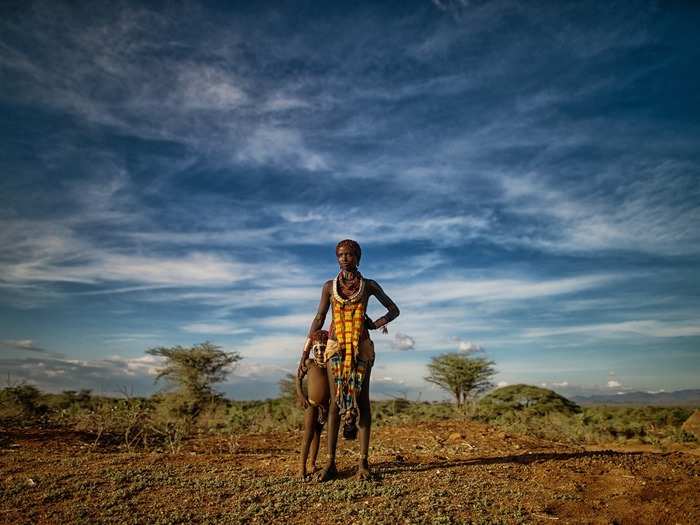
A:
(348, 253)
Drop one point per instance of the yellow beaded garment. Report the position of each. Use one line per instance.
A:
(348, 318)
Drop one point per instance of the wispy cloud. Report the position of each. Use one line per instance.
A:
(108, 375)
(280, 147)
(639, 219)
(647, 328)
(486, 290)
(22, 344)
(214, 328)
(196, 269)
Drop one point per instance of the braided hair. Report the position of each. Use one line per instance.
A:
(353, 245)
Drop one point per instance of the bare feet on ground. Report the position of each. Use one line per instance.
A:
(328, 473)
(363, 473)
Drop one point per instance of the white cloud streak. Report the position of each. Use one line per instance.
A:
(22, 344)
(646, 328)
(214, 328)
(486, 290)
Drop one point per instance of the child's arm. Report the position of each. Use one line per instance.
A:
(301, 398)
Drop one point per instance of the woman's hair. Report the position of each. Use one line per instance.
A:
(353, 245)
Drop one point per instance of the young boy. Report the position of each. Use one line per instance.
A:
(316, 401)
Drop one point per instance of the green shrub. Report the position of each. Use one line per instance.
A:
(21, 403)
(115, 421)
(271, 415)
(527, 400)
(69, 398)
(401, 411)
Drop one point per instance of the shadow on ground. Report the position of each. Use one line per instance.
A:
(391, 467)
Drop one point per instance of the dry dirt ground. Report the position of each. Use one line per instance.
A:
(447, 472)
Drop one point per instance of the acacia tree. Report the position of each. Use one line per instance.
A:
(461, 375)
(194, 370)
(288, 386)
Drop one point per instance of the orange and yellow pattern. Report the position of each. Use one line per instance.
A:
(348, 319)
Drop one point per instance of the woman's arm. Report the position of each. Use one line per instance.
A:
(392, 310)
(323, 306)
(316, 324)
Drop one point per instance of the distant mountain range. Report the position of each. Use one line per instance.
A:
(680, 397)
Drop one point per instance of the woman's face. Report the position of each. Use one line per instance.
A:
(346, 259)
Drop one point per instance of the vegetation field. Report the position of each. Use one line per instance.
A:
(433, 463)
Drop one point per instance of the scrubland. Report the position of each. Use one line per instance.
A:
(78, 458)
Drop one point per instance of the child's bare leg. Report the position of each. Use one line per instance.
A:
(329, 471)
(310, 416)
(315, 444)
(365, 425)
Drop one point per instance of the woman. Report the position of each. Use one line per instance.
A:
(349, 352)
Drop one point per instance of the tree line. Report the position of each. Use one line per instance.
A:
(193, 371)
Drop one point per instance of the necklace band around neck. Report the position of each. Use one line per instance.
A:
(355, 296)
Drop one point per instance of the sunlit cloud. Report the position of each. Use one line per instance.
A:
(403, 342)
(469, 346)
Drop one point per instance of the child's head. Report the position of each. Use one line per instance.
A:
(319, 339)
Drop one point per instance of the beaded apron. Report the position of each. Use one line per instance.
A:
(348, 371)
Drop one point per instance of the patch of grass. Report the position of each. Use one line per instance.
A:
(657, 426)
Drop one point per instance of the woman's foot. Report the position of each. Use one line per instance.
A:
(328, 473)
(363, 473)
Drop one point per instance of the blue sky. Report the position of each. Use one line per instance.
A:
(522, 177)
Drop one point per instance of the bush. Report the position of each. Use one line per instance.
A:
(21, 403)
(545, 414)
(525, 399)
(68, 398)
(193, 371)
(271, 415)
(115, 421)
(400, 411)
(461, 375)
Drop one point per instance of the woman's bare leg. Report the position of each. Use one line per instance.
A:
(365, 425)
